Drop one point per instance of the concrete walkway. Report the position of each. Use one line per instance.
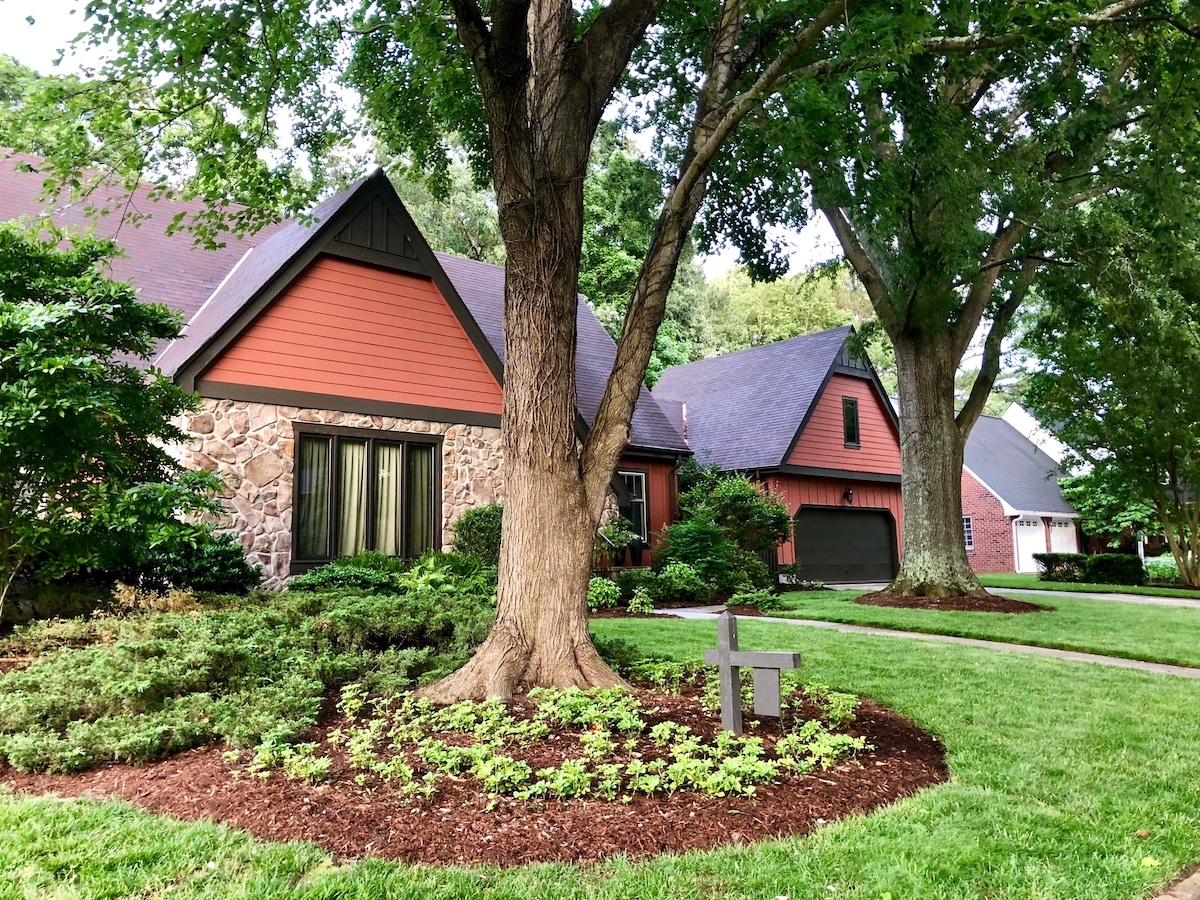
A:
(711, 612)
(1150, 599)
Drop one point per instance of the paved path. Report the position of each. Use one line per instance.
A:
(1150, 599)
(710, 612)
(1188, 889)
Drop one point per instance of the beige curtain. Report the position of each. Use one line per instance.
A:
(352, 486)
(312, 529)
(389, 476)
(419, 514)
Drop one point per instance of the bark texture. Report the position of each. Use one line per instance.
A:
(931, 455)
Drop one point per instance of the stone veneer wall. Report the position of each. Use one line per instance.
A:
(251, 446)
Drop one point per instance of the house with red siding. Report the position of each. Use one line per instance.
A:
(351, 380)
(1012, 504)
(808, 418)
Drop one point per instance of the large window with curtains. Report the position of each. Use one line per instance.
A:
(363, 490)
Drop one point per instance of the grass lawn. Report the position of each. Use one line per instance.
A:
(1056, 767)
(1031, 583)
(1164, 634)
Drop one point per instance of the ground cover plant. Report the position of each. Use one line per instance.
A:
(1014, 580)
(1110, 627)
(132, 689)
(621, 747)
(1069, 781)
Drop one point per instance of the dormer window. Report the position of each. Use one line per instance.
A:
(850, 422)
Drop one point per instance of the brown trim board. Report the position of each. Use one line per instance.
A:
(216, 390)
(843, 474)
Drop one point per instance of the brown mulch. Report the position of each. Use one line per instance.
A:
(961, 603)
(460, 825)
(743, 611)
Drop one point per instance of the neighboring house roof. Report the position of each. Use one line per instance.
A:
(1023, 477)
(220, 292)
(1019, 418)
(745, 410)
(167, 269)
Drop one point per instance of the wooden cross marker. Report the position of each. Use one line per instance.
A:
(766, 665)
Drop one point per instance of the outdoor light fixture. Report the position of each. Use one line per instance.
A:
(848, 495)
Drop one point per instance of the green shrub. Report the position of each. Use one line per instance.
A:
(702, 544)
(1115, 568)
(752, 518)
(641, 603)
(217, 563)
(344, 574)
(165, 682)
(679, 582)
(602, 594)
(477, 533)
(764, 600)
(1162, 569)
(1060, 566)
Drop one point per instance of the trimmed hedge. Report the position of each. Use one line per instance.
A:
(1060, 566)
(1115, 568)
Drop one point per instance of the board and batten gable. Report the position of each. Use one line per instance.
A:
(351, 330)
(822, 445)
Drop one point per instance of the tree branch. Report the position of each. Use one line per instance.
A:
(864, 266)
(993, 346)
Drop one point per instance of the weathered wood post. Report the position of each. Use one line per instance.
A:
(766, 665)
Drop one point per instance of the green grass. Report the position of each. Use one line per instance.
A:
(1163, 634)
(1031, 583)
(1056, 766)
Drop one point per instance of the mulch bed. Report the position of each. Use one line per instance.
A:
(743, 611)
(462, 826)
(961, 603)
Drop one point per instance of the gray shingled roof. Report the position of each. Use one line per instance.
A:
(1012, 466)
(744, 408)
(166, 269)
(481, 286)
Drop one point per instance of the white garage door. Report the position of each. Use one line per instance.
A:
(1031, 539)
(1063, 538)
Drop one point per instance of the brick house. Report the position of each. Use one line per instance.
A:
(1012, 504)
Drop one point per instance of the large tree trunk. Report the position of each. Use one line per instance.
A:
(540, 637)
(931, 451)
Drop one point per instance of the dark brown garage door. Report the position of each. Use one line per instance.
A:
(835, 544)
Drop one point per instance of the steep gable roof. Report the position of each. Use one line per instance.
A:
(366, 222)
(745, 410)
(1012, 467)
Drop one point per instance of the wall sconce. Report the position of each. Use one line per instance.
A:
(848, 495)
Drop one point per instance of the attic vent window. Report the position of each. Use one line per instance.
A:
(850, 422)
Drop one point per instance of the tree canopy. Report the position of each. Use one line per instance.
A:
(1117, 342)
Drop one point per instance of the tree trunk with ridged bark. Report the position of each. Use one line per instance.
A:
(931, 452)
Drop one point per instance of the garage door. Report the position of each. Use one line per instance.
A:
(1031, 539)
(834, 544)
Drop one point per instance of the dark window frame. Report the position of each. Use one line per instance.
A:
(851, 424)
(336, 433)
(644, 474)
